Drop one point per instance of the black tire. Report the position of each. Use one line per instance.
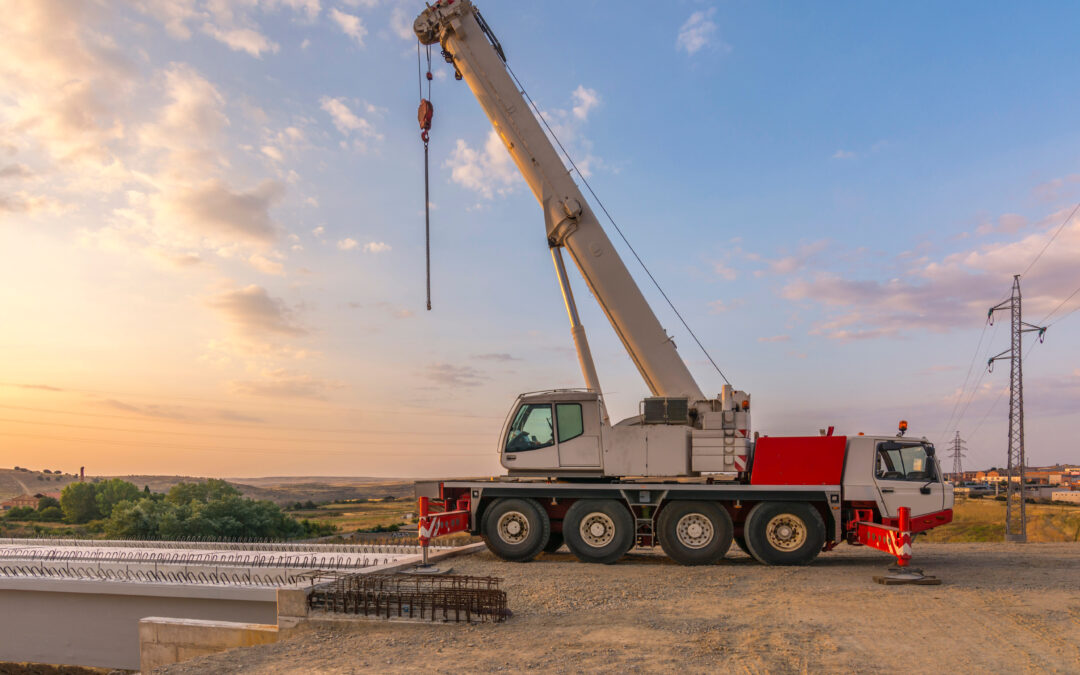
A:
(609, 530)
(516, 529)
(784, 533)
(555, 542)
(694, 533)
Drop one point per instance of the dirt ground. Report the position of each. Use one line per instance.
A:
(1001, 609)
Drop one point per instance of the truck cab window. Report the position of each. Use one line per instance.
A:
(571, 425)
(898, 461)
(532, 428)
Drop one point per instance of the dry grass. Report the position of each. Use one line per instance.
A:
(983, 520)
(360, 516)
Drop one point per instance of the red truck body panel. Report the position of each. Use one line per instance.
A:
(798, 460)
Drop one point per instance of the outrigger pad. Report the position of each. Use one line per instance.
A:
(901, 576)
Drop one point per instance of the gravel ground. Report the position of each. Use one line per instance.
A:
(1001, 608)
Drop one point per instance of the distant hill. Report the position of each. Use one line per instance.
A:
(278, 489)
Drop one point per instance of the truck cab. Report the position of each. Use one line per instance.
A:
(550, 432)
(891, 472)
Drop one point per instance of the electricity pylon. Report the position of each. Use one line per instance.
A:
(1015, 513)
(957, 455)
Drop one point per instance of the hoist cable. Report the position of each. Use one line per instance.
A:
(570, 159)
(427, 180)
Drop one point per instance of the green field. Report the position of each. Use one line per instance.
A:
(360, 516)
(983, 520)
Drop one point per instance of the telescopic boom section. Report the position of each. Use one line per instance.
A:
(458, 27)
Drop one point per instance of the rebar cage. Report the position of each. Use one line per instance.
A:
(432, 597)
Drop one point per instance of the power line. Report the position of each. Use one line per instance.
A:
(603, 208)
(963, 387)
(1059, 229)
(243, 438)
(257, 451)
(168, 420)
(1060, 305)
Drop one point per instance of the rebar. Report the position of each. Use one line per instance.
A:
(432, 597)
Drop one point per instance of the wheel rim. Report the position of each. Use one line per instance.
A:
(597, 529)
(694, 530)
(513, 527)
(786, 532)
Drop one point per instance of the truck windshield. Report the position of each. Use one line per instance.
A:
(904, 461)
(532, 428)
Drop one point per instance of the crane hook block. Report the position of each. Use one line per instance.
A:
(423, 115)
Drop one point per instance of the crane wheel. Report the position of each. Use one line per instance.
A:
(516, 530)
(555, 542)
(598, 530)
(784, 533)
(694, 533)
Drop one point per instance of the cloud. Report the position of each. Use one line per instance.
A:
(351, 25)
(725, 272)
(253, 312)
(1057, 188)
(61, 82)
(501, 356)
(719, 306)
(156, 411)
(775, 338)
(214, 209)
(790, 264)
(698, 32)
(489, 171)
(843, 154)
(376, 247)
(15, 171)
(282, 383)
(1009, 223)
(940, 295)
(40, 387)
(401, 24)
(455, 376)
(242, 40)
(348, 244)
(346, 120)
(584, 101)
(189, 127)
(24, 203)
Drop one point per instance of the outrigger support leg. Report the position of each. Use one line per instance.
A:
(895, 540)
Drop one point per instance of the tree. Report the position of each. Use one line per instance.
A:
(207, 491)
(79, 503)
(50, 514)
(46, 502)
(21, 513)
(114, 491)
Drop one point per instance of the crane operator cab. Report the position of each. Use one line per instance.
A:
(553, 432)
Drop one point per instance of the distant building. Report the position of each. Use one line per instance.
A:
(1068, 496)
(20, 501)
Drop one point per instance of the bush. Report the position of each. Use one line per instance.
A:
(21, 513)
(51, 514)
(46, 502)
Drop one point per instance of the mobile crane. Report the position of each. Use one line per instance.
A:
(685, 473)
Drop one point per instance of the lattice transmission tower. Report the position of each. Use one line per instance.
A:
(1015, 513)
(957, 457)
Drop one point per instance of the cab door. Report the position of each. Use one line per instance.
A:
(578, 428)
(907, 474)
(530, 439)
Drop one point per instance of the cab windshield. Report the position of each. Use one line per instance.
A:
(531, 429)
(905, 461)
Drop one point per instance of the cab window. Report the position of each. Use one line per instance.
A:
(899, 461)
(571, 425)
(532, 428)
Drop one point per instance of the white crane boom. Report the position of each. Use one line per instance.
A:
(571, 224)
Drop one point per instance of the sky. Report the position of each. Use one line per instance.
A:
(212, 234)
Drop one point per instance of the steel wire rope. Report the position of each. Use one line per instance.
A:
(1000, 395)
(265, 451)
(975, 387)
(1060, 305)
(1056, 233)
(603, 208)
(963, 387)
